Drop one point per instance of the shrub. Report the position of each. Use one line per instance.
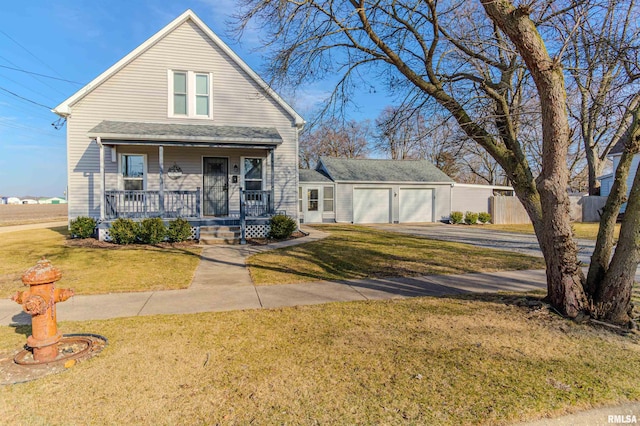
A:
(281, 227)
(83, 227)
(484, 217)
(179, 230)
(124, 231)
(152, 231)
(456, 217)
(470, 218)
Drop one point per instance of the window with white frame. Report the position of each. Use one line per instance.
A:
(190, 94)
(299, 198)
(327, 201)
(253, 174)
(133, 168)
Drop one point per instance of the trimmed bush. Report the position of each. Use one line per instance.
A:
(83, 227)
(484, 217)
(178, 230)
(124, 231)
(456, 217)
(281, 227)
(470, 218)
(152, 231)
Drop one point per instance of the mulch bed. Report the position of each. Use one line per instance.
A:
(97, 244)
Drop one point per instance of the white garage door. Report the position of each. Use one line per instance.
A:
(416, 205)
(371, 205)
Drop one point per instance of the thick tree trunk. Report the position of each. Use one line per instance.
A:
(613, 297)
(618, 195)
(564, 276)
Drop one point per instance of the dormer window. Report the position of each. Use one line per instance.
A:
(189, 94)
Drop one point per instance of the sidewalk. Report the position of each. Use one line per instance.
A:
(222, 283)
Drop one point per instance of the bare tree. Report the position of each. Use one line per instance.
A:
(334, 138)
(400, 133)
(471, 58)
(601, 76)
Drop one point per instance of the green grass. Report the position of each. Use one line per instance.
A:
(443, 361)
(352, 252)
(584, 230)
(92, 270)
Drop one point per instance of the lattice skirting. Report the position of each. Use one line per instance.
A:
(257, 231)
(103, 234)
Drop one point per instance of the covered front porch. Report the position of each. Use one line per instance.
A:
(203, 173)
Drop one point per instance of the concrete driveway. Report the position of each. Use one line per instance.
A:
(520, 243)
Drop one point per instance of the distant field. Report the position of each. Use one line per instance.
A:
(20, 214)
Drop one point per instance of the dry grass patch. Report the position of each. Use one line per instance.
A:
(584, 230)
(414, 361)
(353, 252)
(92, 270)
(22, 214)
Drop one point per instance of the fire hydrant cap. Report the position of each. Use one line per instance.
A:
(42, 273)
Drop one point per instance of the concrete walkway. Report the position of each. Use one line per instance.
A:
(222, 283)
(40, 225)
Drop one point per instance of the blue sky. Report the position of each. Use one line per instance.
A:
(74, 41)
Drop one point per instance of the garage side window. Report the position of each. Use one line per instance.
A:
(312, 196)
(327, 204)
(299, 199)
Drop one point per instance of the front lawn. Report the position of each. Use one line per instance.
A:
(353, 252)
(444, 361)
(91, 270)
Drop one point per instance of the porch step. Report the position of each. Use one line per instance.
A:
(210, 235)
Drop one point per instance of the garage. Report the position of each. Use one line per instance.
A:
(371, 205)
(416, 205)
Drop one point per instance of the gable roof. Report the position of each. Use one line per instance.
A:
(64, 108)
(352, 170)
(618, 147)
(308, 175)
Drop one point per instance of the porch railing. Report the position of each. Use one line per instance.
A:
(254, 204)
(142, 204)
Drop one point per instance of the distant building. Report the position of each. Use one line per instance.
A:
(29, 201)
(14, 200)
(52, 200)
(4, 200)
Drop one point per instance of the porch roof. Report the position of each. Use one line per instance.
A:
(137, 133)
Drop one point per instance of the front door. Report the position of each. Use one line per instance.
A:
(215, 186)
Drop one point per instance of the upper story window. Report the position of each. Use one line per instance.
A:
(190, 94)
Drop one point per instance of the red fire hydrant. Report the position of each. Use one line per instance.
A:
(40, 302)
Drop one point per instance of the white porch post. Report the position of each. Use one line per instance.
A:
(161, 179)
(273, 182)
(102, 181)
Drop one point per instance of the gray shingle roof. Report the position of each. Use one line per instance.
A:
(125, 130)
(618, 147)
(307, 175)
(350, 170)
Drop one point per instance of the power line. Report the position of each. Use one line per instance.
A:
(29, 52)
(40, 75)
(24, 99)
(34, 77)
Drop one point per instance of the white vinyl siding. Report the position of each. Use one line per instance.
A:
(139, 91)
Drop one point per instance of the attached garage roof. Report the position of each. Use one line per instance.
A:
(307, 175)
(126, 131)
(352, 170)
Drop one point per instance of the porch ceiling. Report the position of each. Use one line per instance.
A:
(128, 133)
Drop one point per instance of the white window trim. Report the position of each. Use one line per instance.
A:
(264, 170)
(144, 169)
(333, 199)
(191, 95)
